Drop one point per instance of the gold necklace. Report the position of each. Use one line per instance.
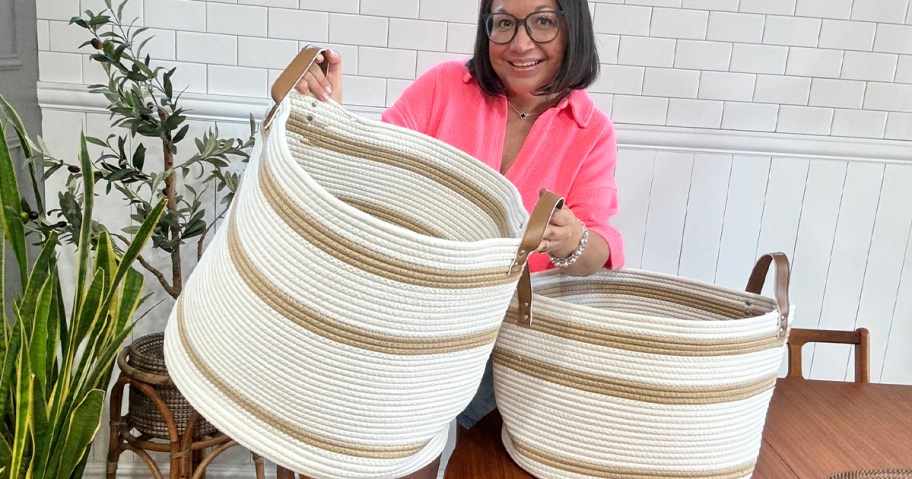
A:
(523, 116)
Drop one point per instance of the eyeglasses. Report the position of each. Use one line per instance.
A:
(542, 26)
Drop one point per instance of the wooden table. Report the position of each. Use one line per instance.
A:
(813, 429)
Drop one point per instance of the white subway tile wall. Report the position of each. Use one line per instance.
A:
(643, 110)
(837, 93)
(791, 31)
(758, 58)
(776, 7)
(847, 35)
(806, 120)
(782, 90)
(386, 8)
(677, 23)
(841, 9)
(622, 19)
(60, 67)
(735, 27)
(888, 97)
(885, 11)
(749, 116)
(265, 52)
(869, 66)
(700, 55)
(859, 123)
(712, 5)
(899, 126)
(795, 66)
(43, 35)
(814, 62)
(608, 46)
(620, 79)
(671, 83)
(404, 33)
(893, 38)
(387, 63)
(694, 113)
(726, 86)
(904, 69)
(243, 20)
(646, 51)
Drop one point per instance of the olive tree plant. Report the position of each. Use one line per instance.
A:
(144, 106)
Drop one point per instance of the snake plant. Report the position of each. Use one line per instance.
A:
(56, 355)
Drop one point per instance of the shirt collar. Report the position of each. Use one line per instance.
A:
(578, 102)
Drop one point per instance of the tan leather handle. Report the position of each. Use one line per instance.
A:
(291, 76)
(538, 221)
(783, 272)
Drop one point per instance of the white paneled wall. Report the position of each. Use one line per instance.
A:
(745, 126)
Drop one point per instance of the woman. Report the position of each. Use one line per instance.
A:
(519, 106)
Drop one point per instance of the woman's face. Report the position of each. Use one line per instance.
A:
(523, 65)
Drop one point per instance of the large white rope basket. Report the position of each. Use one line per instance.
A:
(343, 315)
(638, 375)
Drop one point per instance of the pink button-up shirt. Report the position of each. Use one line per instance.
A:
(571, 149)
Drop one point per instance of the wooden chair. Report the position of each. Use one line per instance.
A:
(799, 337)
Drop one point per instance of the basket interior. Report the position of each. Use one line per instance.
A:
(637, 293)
(399, 176)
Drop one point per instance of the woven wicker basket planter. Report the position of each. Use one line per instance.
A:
(146, 354)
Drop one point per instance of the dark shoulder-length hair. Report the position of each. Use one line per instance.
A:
(578, 70)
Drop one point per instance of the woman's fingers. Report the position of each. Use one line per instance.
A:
(320, 85)
(562, 233)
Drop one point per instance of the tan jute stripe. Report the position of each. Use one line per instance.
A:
(325, 138)
(366, 259)
(676, 295)
(276, 422)
(610, 472)
(644, 343)
(636, 391)
(392, 216)
(339, 331)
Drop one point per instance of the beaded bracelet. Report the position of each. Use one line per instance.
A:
(575, 255)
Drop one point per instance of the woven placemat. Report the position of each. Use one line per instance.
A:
(874, 474)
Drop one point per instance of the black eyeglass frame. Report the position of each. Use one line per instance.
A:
(489, 18)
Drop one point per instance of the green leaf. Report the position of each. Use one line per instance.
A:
(139, 157)
(98, 20)
(23, 409)
(82, 425)
(10, 208)
(85, 233)
(42, 432)
(10, 114)
(139, 240)
(6, 453)
(41, 270)
(181, 134)
(10, 358)
(38, 349)
(96, 141)
(130, 297)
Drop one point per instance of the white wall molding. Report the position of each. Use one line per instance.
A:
(67, 97)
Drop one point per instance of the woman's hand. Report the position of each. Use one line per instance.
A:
(563, 236)
(320, 85)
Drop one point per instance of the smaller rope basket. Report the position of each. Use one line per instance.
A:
(147, 355)
(874, 474)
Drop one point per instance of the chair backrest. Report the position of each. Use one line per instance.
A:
(799, 337)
